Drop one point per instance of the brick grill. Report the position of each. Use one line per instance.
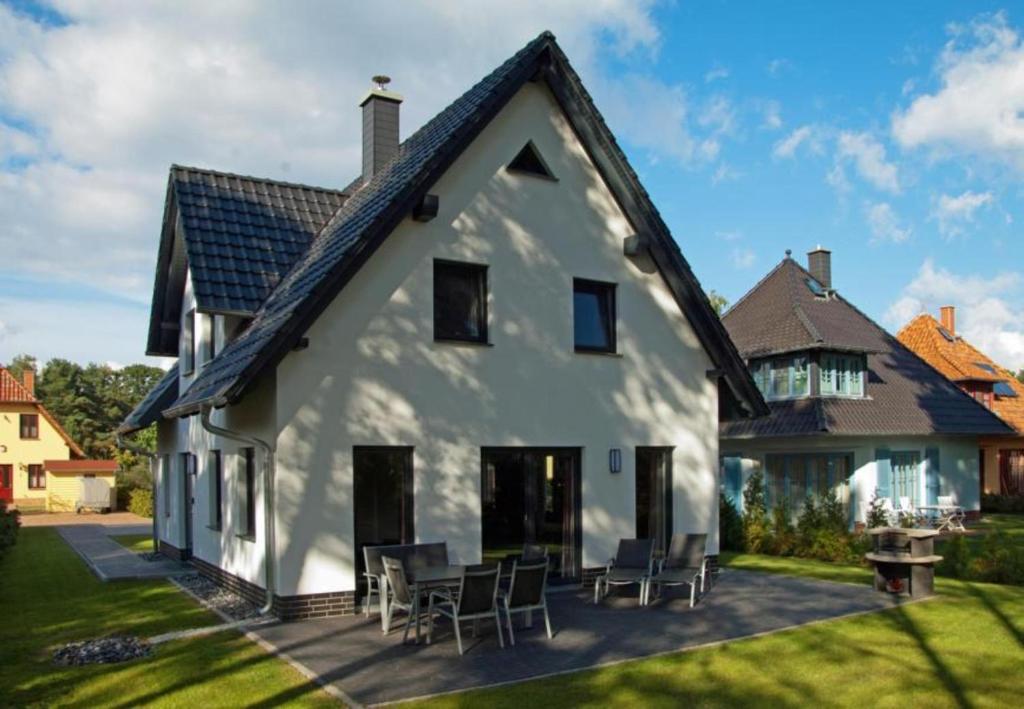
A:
(904, 561)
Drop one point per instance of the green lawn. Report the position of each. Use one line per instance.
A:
(47, 597)
(136, 542)
(963, 648)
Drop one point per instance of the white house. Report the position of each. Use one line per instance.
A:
(488, 338)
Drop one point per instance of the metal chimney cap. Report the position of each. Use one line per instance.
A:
(382, 80)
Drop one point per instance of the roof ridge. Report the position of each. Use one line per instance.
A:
(914, 319)
(254, 178)
(31, 397)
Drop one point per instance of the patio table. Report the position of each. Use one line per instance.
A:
(424, 578)
(947, 516)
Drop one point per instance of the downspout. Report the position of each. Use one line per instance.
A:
(122, 442)
(268, 496)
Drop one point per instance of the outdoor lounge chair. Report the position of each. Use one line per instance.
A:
(476, 598)
(685, 564)
(632, 564)
(526, 592)
(401, 596)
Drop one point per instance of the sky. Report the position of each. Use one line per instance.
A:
(890, 133)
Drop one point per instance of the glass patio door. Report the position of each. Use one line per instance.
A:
(383, 496)
(905, 477)
(654, 496)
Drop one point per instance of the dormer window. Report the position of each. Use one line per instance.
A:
(782, 377)
(841, 374)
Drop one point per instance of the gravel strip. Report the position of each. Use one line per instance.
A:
(102, 651)
(219, 597)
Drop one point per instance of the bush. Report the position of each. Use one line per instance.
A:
(999, 561)
(956, 558)
(9, 523)
(140, 502)
(1013, 504)
(783, 540)
(756, 534)
(730, 525)
(822, 532)
(876, 512)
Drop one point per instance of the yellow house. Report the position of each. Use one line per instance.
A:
(35, 451)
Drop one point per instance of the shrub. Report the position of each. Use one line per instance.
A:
(9, 523)
(956, 558)
(140, 502)
(1013, 504)
(999, 560)
(783, 540)
(821, 531)
(876, 512)
(756, 535)
(730, 525)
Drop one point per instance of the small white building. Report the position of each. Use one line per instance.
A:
(488, 338)
(852, 410)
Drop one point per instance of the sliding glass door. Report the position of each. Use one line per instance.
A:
(532, 495)
(654, 496)
(382, 492)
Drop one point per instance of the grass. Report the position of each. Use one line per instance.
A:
(48, 597)
(139, 543)
(963, 648)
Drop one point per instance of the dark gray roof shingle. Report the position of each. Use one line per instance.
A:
(149, 409)
(905, 396)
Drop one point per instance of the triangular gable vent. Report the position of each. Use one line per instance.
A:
(529, 161)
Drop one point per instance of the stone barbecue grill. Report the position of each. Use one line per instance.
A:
(904, 561)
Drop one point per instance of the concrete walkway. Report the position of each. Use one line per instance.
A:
(111, 561)
(356, 661)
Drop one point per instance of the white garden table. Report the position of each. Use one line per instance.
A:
(949, 517)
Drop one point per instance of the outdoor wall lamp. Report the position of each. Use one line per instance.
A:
(615, 460)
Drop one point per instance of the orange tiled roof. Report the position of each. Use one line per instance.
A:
(13, 391)
(958, 360)
(80, 466)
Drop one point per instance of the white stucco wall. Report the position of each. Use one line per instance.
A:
(958, 461)
(373, 375)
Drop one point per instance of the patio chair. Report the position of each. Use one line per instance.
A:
(401, 595)
(532, 552)
(477, 598)
(526, 592)
(685, 563)
(373, 574)
(957, 516)
(632, 564)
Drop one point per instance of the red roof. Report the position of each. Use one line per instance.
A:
(80, 466)
(13, 390)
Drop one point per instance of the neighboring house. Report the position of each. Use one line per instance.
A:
(1002, 458)
(853, 410)
(35, 451)
(489, 337)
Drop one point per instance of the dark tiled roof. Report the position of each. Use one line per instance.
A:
(243, 234)
(906, 396)
(159, 398)
(373, 211)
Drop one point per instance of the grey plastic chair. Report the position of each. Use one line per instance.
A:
(373, 571)
(685, 563)
(633, 564)
(401, 596)
(526, 593)
(476, 599)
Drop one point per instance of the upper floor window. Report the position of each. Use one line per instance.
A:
(841, 375)
(188, 343)
(593, 316)
(29, 426)
(782, 377)
(460, 301)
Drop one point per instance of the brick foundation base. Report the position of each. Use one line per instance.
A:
(173, 552)
(311, 605)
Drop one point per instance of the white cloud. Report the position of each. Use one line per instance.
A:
(806, 135)
(771, 115)
(869, 159)
(979, 108)
(716, 73)
(743, 258)
(725, 173)
(955, 213)
(989, 314)
(776, 66)
(729, 235)
(884, 223)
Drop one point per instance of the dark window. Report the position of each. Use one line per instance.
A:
(529, 161)
(654, 496)
(594, 315)
(5, 476)
(29, 425)
(216, 487)
(1004, 389)
(36, 477)
(460, 301)
(188, 343)
(165, 484)
(209, 338)
(248, 527)
(382, 498)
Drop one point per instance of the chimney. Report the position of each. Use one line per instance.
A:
(947, 317)
(380, 127)
(28, 380)
(819, 263)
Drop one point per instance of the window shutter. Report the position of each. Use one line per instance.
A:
(883, 467)
(931, 456)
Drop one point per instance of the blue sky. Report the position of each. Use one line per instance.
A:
(887, 132)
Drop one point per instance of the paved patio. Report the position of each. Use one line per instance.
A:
(111, 561)
(353, 656)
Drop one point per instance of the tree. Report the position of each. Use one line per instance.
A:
(1020, 376)
(19, 363)
(718, 301)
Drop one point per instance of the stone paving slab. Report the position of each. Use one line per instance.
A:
(353, 657)
(111, 561)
